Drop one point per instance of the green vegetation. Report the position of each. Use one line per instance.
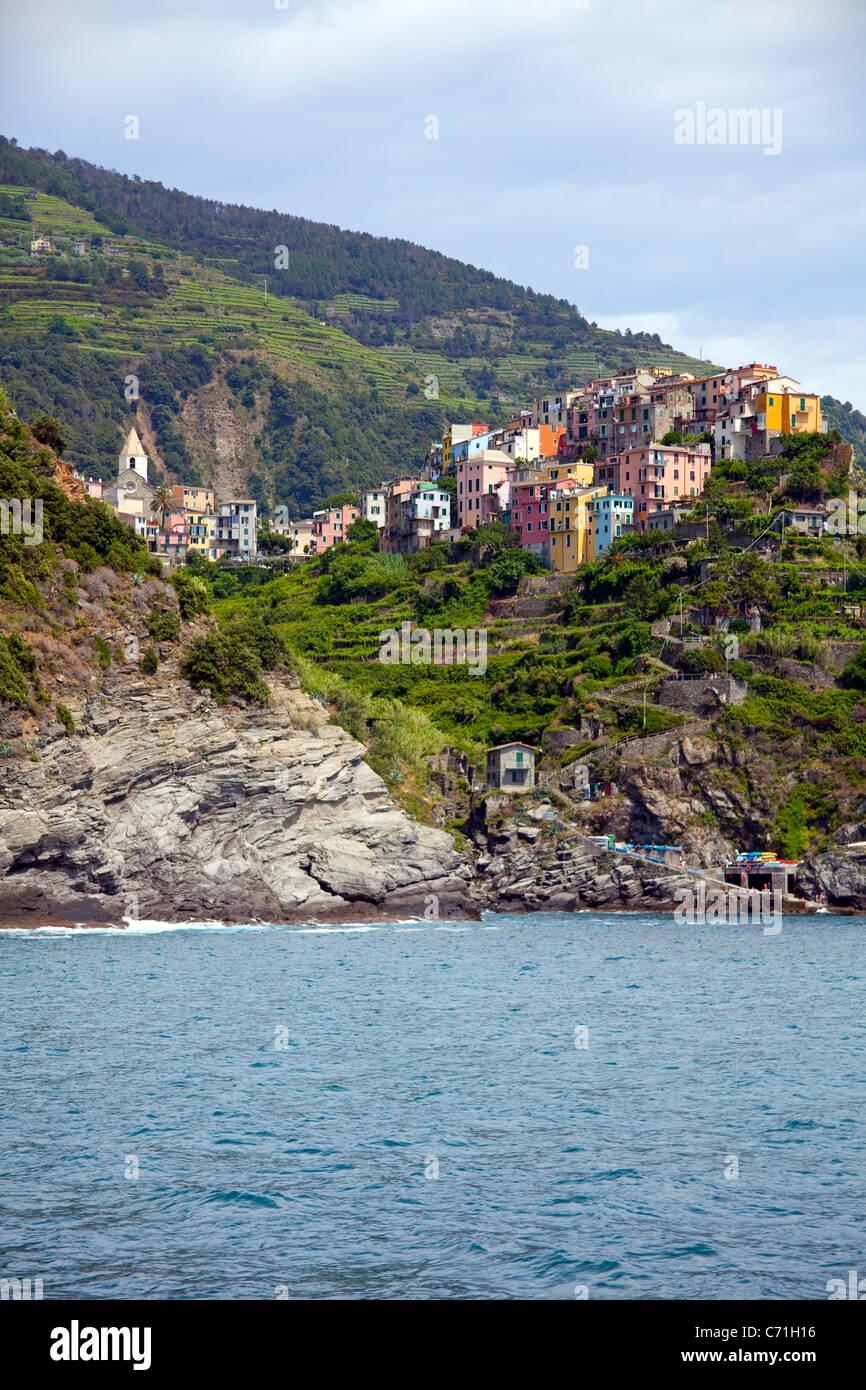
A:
(65, 717)
(192, 594)
(231, 662)
(87, 532)
(333, 369)
(164, 625)
(17, 671)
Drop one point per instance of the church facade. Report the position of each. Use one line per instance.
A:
(133, 494)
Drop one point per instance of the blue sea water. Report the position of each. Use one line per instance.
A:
(302, 1162)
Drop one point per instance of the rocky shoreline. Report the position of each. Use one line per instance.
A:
(166, 807)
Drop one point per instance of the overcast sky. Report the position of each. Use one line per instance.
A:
(556, 130)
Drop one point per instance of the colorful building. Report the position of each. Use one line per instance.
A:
(553, 410)
(202, 533)
(558, 469)
(457, 434)
(194, 499)
(530, 516)
(569, 525)
(479, 478)
(656, 475)
(609, 516)
(788, 412)
(331, 524)
(417, 518)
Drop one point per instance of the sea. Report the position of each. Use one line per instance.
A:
(544, 1106)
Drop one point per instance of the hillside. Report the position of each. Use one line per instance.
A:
(154, 709)
(576, 667)
(287, 383)
(155, 766)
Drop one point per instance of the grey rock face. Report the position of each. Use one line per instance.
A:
(164, 806)
(839, 876)
(577, 876)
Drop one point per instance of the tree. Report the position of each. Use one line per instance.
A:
(164, 502)
(49, 432)
(341, 499)
(362, 532)
(509, 567)
(644, 598)
(853, 676)
(139, 274)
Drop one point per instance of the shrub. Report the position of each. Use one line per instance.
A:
(66, 719)
(853, 676)
(508, 568)
(192, 594)
(103, 652)
(743, 670)
(704, 661)
(231, 663)
(599, 667)
(434, 593)
(164, 625)
(149, 662)
(14, 688)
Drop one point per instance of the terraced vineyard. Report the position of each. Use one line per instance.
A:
(181, 294)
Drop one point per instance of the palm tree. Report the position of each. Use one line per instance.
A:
(163, 500)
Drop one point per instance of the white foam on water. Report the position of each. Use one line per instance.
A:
(154, 927)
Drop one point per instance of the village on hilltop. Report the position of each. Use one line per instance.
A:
(569, 475)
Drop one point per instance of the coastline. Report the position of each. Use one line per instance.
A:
(369, 914)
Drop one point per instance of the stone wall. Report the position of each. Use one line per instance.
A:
(693, 694)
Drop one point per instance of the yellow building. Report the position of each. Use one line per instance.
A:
(446, 451)
(202, 533)
(557, 469)
(194, 499)
(569, 526)
(789, 412)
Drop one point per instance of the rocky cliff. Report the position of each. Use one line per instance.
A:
(155, 802)
(164, 806)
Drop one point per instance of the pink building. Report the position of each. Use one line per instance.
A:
(397, 489)
(529, 511)
(331, 524)
(656, 475)
(479, 480)
(530, 507)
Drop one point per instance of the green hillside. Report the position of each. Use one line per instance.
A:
(336, 369)
(371, 342)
